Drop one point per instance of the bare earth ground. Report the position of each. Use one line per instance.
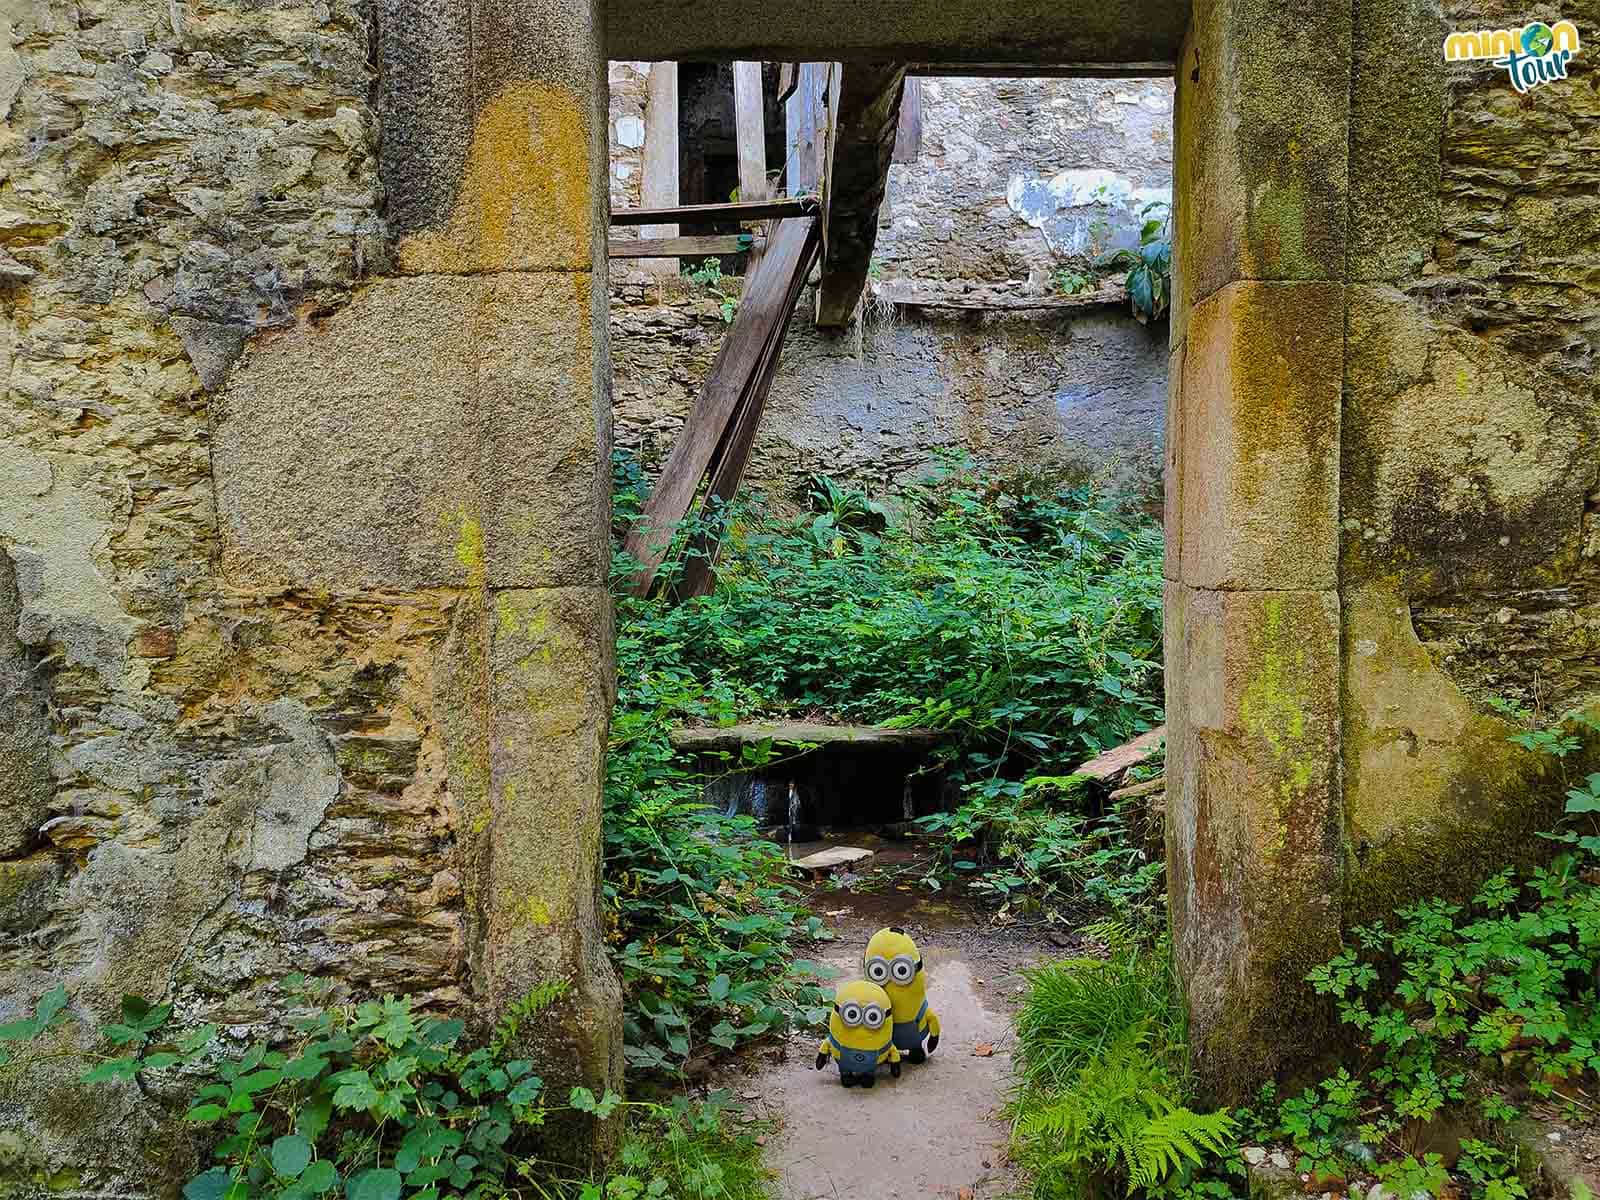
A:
(938, 1130)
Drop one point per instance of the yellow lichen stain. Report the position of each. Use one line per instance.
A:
(535, 910)
(525, 198)
(1271, 711)
(469, 548)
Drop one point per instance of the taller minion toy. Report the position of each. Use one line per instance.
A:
(893, 963)
(858, 1038)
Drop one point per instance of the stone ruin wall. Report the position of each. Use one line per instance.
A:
(205, 782)
(1470, 510)
(1079, 386)
(1381, 505)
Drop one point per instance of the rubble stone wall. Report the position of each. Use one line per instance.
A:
(1000, 196)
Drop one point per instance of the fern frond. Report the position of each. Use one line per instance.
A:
(531, 1005)
(1162, 1145)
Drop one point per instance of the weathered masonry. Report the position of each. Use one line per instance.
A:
(305, 648)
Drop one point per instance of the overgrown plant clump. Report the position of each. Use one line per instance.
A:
(1460, 1013)
(1101, 1110)
(378, 1101)
(1021, 618)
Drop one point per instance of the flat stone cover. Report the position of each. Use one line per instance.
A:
(834, 856)
(1115, 761)
(734, 737)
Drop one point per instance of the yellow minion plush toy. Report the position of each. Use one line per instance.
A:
(857, 1035)
(892, 963)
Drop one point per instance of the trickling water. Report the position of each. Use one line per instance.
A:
(794, 814)
(758, 799)
(907, 811)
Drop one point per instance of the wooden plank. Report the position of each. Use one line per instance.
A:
(740, 360)
(756, 210)
(750, 138)
(865, 118)
(673, 247)
(908, 134)
(805, 114)
(788, 77)
(750, 130)
(659, 187)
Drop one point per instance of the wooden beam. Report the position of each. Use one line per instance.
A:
(686, 214)
(659, 187)
(1082, 70)
(806, 115)
(750, 130)
(908, 134)
(750, 137)
(788, 77)
(865, 119)
(674, 247)
(742, 363)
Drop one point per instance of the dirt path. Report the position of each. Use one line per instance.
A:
(938, 1130)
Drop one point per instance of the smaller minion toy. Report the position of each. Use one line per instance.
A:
(858, 1034)
(893, 963)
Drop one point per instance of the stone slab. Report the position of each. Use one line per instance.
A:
(430, 434)
(736, 737)
(532, 191)
(1465, 467)
(832, 858)
(551, 688)
(1397, 119)
(1260, 155)
(1253, 821)
(1258, 461)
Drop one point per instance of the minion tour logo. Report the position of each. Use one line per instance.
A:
(1537, 53)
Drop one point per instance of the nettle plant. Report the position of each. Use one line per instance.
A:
(372, 1101)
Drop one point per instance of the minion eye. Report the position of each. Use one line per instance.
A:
(877, 970)
(850, 1014)
(903, 970)
(873, 1016)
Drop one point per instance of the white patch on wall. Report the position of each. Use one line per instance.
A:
(630, 132)
(1083, 211)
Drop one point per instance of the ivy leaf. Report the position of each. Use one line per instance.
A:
(320, 1176)
(291, 1154)
(212, 1185)
(379, 1183)
(719, 988)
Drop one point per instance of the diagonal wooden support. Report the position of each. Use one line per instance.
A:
(865, 120)
(741, 370)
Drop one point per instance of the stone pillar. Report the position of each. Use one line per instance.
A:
(1252, 610)
(499, 167)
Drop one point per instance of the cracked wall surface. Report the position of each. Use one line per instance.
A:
(260, 485)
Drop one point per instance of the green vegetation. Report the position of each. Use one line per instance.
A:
(377, 1101)
(1101, 1109)
(709, 276)
(1020, 618)
(1149, 278)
